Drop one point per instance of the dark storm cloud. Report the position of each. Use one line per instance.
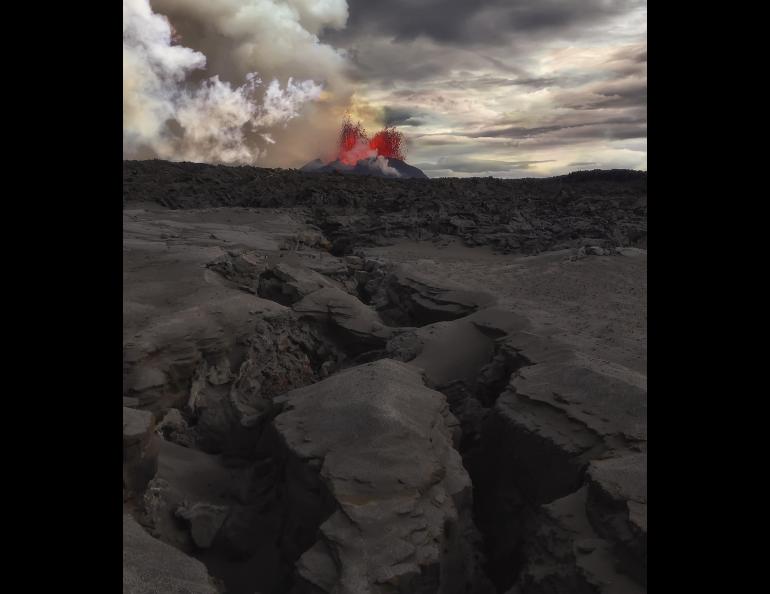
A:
(612, 94)
(417, 40)
(563, 135)
(480, 82)
(507, 87)
(381, 59)
(469, 22)
(464, 165)
(399, 116)
(519, 132)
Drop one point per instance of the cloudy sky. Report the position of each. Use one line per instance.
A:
(509, 88)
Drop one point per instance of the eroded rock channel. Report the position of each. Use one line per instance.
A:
(302, 422)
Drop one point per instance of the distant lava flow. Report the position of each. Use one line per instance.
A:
(354, 144)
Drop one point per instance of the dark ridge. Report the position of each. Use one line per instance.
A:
(366, 167)
(604, 209)
(197, 185)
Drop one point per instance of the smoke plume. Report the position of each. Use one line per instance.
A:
(381, 164)
(194, 72)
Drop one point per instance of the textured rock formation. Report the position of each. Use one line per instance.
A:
(491, 437)
(381, 445)
(231, 396)
(557, 419)
(287, 281)
(599, 208)
(226, 512)
(140, 450)
(560, 416)
(242, 268)
(565, 554)
(409, 297)
(617, 508)
(151, 566)
(355, 324)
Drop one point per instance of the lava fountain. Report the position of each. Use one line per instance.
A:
(355, 144)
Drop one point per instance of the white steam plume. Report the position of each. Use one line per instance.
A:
(171, 112)
(382, 165)
(360, 151)
(364, 156)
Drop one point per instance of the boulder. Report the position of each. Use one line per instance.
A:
(230, 398)
(140, 450)
(556, 417)
(617, 508)
(564, 435)
(240, 267)
(566, 554)
(173, 427)
(189, 484)
(151, 566)
(414, 298)
(355, 324)
(205, 520)
(372, 449)
(287, 281)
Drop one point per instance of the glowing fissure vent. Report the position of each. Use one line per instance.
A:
(355, 144)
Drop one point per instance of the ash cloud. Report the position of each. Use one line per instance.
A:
(195, 78)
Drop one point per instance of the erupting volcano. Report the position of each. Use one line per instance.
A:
(382, 155)
(355, 144)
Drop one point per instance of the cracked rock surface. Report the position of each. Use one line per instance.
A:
(342, 385)
(150, 566)
(382, 445)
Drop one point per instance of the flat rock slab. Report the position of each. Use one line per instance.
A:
(140, 450)
(605, 405)
(595, 305)
(185, 478)
(137, 425)
(151, 566)
(556, 417)
(355, 321)
(427, 299)
(160, 357)
(566, 554)
(200, 476)
(617, 506)
(623, 478)
(183, 272)
(382, 444)
(287, 281)
(497, 322)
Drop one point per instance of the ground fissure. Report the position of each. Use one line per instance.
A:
(350, 422)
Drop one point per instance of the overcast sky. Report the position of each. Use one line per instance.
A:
(509, 88)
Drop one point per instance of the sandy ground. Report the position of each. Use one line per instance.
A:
(598, 304)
